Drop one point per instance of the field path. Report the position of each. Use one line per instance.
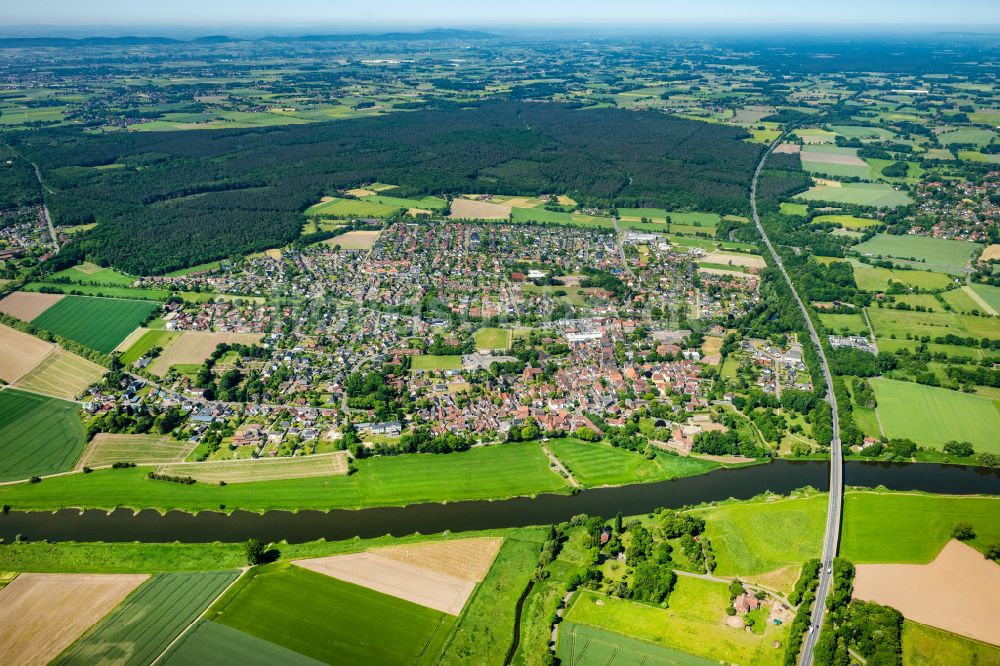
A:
(558, 465)
(980, 301)
(195, 621)
(871, 331)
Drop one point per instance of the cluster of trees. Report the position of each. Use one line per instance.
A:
(416, 441)
(804, 595)
(18, 185)
(185, 198)
(729, 443)
(121, 420)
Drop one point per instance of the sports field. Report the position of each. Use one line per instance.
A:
(430, 362)
(493, 338)
(935, 254)
(263, 469)
(599, 464)
(490, 472)
(214, 643)
(931, 416)
(757, 537)
(138, 630)
(298, 609)
(107, 448)
(861, 194)
(147, 341)
(694, 622)
(583, 645)
(884, 527)
(61, 374)
(38, 435)
(98, 323)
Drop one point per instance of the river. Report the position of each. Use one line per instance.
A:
(780, 476)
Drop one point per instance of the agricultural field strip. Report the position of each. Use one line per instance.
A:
(42, 614)
(260, 469)
(39, 435)
(150, 619)
(963, 584)
(106, 449)
(21, 353)
(418, 585)
(61, 374)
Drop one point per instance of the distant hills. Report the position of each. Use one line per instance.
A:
(66, 42)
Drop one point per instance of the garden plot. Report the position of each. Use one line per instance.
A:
(42, 614)
(956, 592)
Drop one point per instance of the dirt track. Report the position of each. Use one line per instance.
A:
(42, 614)
(957, 592)
(398, 579)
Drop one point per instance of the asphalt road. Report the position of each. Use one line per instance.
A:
(831, 538)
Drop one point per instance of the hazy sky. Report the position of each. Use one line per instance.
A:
(355, 13)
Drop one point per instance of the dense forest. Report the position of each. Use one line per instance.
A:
(165, 200)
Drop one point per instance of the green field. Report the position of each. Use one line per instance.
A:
(658, 215)
(427, 203)
(872, 278)
(333, 621)
(490, 472)
(988, 293)
(148, 340)
(846, 221)
(138, 630)
(694, 623)
(758, 537)
(103, 290)
(92, 273)
(968, 135)
(430, 362)
(38, 435)
(582, 645)
(931, 416)
(599, 464)
(910, 527)
(887, 323)
(558, 217)
(352, 208)
(217, 644)
(927, 646)
(788, 208)
(98, 323)
(935, 254)
(861, 194)
(853, 324)
(493, 338)
(861, 132)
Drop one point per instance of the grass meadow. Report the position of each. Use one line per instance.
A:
(351, 208)
(872, 278)
(491, 472)
(330, 620)
(757, 537)
(149, 619)
(693, 623)
(214, 643)
(38, 435)
(493, 338)
(931, 416)
(924, 646)
(98, 323)
(935, 254)
(599, 464)
(884, 527)
(584, 645)
(861, 194)
(430, 362)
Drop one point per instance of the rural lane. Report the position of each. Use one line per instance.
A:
(831, 537)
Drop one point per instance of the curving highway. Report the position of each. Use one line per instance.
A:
(831, 537)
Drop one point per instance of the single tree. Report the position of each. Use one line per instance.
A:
(255, 552)
(963, 532)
